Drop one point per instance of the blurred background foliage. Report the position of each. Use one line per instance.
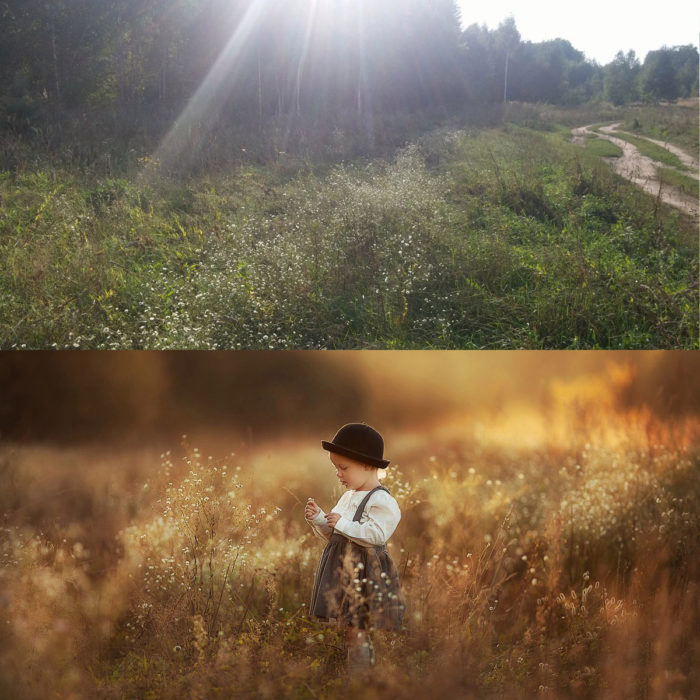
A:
(147, 396)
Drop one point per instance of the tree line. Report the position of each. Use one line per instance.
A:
(116, 62)
(666, 74)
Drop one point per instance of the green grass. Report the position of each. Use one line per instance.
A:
(684, 183)
(491, 238)
(652, 150)
(602, 148)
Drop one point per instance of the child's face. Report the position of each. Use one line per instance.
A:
(351, 473)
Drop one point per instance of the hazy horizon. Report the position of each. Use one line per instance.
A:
(599, 30)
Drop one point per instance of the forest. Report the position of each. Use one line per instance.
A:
(81, 74)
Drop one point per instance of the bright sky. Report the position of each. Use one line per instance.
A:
(599, 28)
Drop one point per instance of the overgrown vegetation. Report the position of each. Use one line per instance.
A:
(495, 238)
(678, 125)
(567, 568)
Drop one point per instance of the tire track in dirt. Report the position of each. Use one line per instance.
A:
(684, 157)
(642, 170)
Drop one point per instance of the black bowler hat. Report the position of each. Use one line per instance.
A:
(358, 441)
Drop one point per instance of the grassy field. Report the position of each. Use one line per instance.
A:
(542, 552)
(506, 237)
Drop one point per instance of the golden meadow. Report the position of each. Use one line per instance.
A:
(548, 547)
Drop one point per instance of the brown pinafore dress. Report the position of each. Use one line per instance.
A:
(357, 585)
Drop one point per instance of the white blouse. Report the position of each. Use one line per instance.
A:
(379, 519)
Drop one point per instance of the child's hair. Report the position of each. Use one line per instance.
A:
(359, 441)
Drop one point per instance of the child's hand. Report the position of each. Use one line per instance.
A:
(311, 510)
(332, 519)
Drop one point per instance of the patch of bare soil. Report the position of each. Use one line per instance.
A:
(642, 170)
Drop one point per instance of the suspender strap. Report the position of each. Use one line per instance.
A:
(361, 508)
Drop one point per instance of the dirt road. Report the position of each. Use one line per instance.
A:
(642, 170)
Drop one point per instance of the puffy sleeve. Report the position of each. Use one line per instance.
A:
(320, 526)
(383, 515)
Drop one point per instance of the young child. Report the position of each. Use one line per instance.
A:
(356, 582)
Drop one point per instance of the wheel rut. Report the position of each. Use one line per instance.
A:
(642, 170)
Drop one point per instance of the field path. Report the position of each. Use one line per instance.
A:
(642, 170)
(684, 157)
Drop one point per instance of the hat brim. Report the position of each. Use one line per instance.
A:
(346, 452)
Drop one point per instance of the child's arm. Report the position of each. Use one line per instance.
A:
(383, 515)
(317, 519)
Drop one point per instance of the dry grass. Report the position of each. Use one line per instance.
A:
(561, 564)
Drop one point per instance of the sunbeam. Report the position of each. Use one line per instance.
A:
(308, 31)
(304, 52)
(203, 109)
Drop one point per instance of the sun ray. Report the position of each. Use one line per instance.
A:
(295, 110)
(205, 105)
(364, 95)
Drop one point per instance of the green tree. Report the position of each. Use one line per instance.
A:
(658, 76)
(482, 75)
(620, 81)
(668, 74)
(686, 62)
